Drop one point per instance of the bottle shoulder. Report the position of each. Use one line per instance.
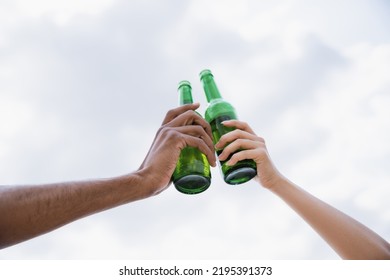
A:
(218, 108)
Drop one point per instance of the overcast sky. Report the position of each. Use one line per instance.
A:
(84, 86)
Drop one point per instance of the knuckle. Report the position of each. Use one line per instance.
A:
(164, 129)
(245, 124)
(235, 157)
(260, 139)
(195, 130)
(239, 133)
(189, 113)
(188, 117)
(161, 130)
(168, 132)
(171, 113)
(200, 142)
(196, 127)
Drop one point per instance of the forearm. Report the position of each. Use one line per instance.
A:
(28, 211)
(349, 238)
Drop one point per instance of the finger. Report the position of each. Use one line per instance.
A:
(173, 113)
(202, 146)
(198, 132)
(238, 124)
(241, 155)
(190, 117)
(239, 144)
(234, 135)
(189, 136)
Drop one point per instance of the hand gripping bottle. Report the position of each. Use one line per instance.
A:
(218, 111)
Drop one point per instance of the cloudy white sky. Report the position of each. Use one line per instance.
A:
(84, 85)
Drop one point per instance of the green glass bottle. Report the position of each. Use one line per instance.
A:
(192, 173)
(218, 111)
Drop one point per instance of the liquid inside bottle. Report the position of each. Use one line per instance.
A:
(192, 174)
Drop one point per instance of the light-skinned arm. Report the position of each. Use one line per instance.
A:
(348, 237)
(27, 211)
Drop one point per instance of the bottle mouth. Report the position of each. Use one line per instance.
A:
(184, 83)
(205, 72)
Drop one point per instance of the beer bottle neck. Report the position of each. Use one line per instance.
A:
(209, 86)
(185, 93)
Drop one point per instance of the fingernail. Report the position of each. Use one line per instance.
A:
(221, 157)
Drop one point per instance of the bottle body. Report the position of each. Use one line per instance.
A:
(192, 174)
(218, 111)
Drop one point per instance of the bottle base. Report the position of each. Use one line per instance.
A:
(239, 176)
(192, 184)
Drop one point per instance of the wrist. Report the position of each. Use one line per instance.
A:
(149, 183)
(278, 183)
(130, 187)
(273, 182)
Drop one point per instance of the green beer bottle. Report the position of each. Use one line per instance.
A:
(218, 111)
(192, 174)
